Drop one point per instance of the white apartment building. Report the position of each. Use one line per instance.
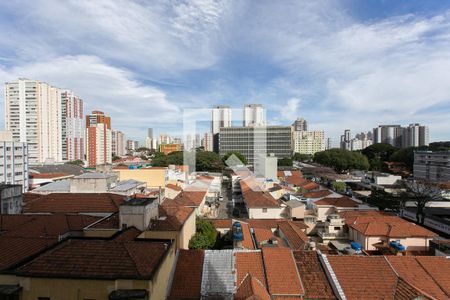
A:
(207, 141)
(359, 144)
(254, 115)
(221, 117)
(309, 142)
(13, 161)
(73, 126)
(46, 118)
(118, 142)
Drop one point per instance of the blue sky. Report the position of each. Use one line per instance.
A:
(339, 64)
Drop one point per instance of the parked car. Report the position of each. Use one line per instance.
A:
(220, 198)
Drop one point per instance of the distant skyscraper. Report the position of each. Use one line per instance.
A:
(207, 141)
(300, 125)
(346, 140)
(13, 161)
(150, 133)
(221, 117)
(118, 143)
(150, 141)
(254, 115)
(165, 139)
(98, 139)
(309, 142)
(388, 134)
(329, 143)
(415, 135)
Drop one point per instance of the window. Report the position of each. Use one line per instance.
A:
(337, 228)
(264, 210)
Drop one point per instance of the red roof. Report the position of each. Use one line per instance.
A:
(281, 272)
(266, 237)
(338, 202)
(249, 262)
(317, 194)
(247, 242)
(48, 175)
(186, 198)
(296, 238)
(113, 258)
(313, 276)
(171, 218)
(173, 187)
(251, 288)
(25, 235)
(255, 197)
(72, 203)
(183, 286)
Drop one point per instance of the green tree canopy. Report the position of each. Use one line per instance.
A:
(238, 155)
(377, 154)
(405, 155)
(302, 157)
(339, 186)
(205, 236)
(383, 200)
(285, 162)
(342, 160)
(208, 161)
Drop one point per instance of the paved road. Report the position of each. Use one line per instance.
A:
(225, 207)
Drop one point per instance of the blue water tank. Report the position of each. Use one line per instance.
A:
(355, 246)
(237, 232)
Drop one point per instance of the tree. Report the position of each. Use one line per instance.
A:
(342, 160)
(339, 186)
(208, 161)
(115, 157)
(377, 154)
(384, 200)
(238, 154)
(302, 157)
(204, 237)
(285, 162)
(77, 162)
(405, 155)
(421, 192)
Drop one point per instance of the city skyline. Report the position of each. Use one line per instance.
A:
(397, 74)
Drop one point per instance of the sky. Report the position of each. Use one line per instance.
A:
(350, 64)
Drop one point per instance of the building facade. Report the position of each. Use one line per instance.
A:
(118, 142)
(252, 141)
(13, 161)
(300, 125)
(413, 135)
(98, 139)
(309, 142)
(47, 118)
(73, 128)
(434, 166)
(416, 135)
(169, 148)
(207, 142)
(11, 199)
(254, 115)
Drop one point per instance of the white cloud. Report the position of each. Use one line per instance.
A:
(115, 91)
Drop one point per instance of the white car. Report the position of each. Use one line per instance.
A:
(220, 198)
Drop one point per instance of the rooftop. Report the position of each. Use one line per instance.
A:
(72, 203)
(254, 195)
(171, 218)
(188, 287)
(119, 257)
(294, 235)
(338, 202)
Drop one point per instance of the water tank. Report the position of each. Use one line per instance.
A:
(237, 232)
(355, 246)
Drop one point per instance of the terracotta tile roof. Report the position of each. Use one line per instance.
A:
(281, 272)
(51, 226)
(338, 202)
(114, 258)
(295, 237)
(247, 242)
(317, 194)
(14, 250)
(109, 222)
(186, 198)
(312, 275)
(254, 196)
(249, 262)
(221, 223)
(296, 177)
(72, 203)
(48, 175)
(263, 236)
(379, 224)
(404, 291)
(309, 186)
(171, 218)
(183, 286)
(412, 271)
(173, 187)
(438, 268)
(364, 277)
(251, 288)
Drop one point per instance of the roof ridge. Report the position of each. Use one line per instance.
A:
(124, 245)
(432, 277)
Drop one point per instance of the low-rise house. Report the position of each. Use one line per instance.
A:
(192, 199)
(40, 179)
(293, 235)
(327, 206)
(154, 177)
(259, 203)
(172, 190)
(375, 230)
